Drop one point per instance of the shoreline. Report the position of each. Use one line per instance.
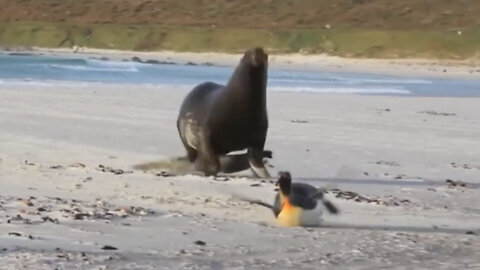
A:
(459, 69)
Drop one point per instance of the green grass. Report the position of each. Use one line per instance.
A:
(339, 42)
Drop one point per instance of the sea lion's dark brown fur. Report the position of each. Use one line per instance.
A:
(217, 119)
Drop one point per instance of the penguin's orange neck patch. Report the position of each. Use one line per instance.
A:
(290, 214)
(287, 204)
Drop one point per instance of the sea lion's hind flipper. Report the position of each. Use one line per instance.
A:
(233, 163)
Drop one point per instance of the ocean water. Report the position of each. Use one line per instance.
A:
(41, 70)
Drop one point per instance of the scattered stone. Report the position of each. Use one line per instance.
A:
(29, 163)
(199, 243)
(136, 59)
(18, 219)
(152, 61)
(21, 54)
(27, 202)
(255, 185)
(107, 247)
(77, 165)
(191, 64)
(453, 183)
(299, 121)
(350, 195)
(81, 216)
(438, 113)
(463, 166)
(15, 234)
(471, 233)
(112, 170)
(49, 219)
(165, 174)
(56, 167)
(387, 163)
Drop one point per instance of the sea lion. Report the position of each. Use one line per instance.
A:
(216, 119)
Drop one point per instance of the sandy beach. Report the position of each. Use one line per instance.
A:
(404, 171)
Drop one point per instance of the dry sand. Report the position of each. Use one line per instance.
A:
(68, 190)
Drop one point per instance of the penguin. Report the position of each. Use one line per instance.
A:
(296, 204)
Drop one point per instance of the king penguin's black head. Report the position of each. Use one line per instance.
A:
(284, 181)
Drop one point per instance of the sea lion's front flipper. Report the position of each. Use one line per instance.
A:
(255, 159)
(206, 162)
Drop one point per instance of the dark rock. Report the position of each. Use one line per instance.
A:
(299, 121)
(152, 61)
(21, 54)
(136, 59)
(199, 243)
(81, 216)
(107, 247)
(453, 183)
(438, 113)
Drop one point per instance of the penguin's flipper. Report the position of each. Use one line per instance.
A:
(330, 207)
(319, 195)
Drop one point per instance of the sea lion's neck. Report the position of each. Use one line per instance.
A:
(249, 82)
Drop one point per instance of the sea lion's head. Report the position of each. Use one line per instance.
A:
(256, 57)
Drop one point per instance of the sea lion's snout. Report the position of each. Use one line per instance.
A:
(258, 57)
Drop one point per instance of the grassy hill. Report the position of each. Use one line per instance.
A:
(352, 28)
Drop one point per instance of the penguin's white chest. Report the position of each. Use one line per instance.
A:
(311, 217)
